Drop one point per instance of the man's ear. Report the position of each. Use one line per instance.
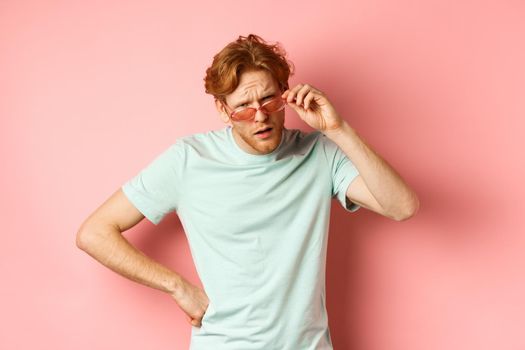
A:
(222, 111)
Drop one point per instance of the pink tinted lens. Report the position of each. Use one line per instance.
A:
(269, 107)
(273, 105)
(243, 114)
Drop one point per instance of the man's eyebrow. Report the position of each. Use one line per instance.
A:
(265, 95)
(237, 104)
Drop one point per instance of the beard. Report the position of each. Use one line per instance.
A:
(259, 144)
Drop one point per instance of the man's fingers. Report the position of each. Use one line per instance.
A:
(194, 322)
(308, 100)
(301, 94)
(293, 92)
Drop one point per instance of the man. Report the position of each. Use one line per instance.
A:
(254, 200)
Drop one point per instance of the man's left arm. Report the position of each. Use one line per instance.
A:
(378, 186)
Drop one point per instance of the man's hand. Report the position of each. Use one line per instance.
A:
(193, 301)
(313, 107)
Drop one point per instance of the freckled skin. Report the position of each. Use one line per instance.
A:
(253, 87)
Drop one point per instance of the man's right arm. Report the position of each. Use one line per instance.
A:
(101, 237)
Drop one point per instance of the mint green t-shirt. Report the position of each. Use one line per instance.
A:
(257, 227)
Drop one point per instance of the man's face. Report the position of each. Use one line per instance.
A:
(255, 88)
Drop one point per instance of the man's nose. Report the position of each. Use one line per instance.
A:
(260, 116)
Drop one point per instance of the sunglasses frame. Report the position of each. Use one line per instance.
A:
(261, 108)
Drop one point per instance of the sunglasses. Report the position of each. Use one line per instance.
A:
(247, 113)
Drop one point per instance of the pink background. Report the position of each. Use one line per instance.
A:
(91, 91)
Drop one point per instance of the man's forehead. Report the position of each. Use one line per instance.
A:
(254, 82)
(257, 86)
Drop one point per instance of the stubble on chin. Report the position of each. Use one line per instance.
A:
(261, 147)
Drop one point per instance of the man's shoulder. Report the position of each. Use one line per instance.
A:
(297, 134)
(300, 142)
(211, 138)
(202, 144)
(204, 137)
(300, 137)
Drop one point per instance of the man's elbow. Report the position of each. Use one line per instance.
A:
(84, 238)
(410, 210)
(89, 236)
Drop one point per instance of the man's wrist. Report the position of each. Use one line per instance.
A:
(174, 285)
(342, 131)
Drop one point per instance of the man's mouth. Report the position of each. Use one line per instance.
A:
(264, 132)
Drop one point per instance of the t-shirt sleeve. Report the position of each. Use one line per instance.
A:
(155, 191)
(343, 172)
